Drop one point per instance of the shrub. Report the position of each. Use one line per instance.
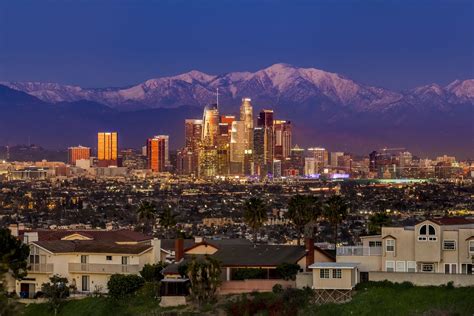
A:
(57, 290)
(152, 272)
(249, 273)
(277, 289)
(288, 271)
(121, 286)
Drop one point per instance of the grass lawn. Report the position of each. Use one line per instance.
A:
(382, 298)
(397, 299)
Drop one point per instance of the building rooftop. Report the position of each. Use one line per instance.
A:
(91, 246)
(337, 265)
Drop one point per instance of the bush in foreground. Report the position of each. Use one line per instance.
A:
(121, 286)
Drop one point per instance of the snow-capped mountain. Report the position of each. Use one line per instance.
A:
(276, 86)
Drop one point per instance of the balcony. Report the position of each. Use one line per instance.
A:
(103, 268)
(358, 251)
(40, 268)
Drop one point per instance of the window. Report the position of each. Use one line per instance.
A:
(467, 268)
(108, 258)
(85, 283)
(389, 266)
(427, 232)
(84, 259)
(411, 266)
(449, 245)
(124, 260)
(471, 246)
(390, 245)
(400, 266)
(336, 273)
(375, 244)
(324, 274)
(427, 267)
(450, 268)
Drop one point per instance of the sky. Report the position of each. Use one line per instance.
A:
(111, 43)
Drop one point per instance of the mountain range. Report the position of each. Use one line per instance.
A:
(327, 109)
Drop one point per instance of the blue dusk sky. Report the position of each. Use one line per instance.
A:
(100, 43)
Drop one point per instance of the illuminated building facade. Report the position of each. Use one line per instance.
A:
(208, 159)
(77, 153)
(156, 153)
(193, 134)
(107, 148)
(282, 139)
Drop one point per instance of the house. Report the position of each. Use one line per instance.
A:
(87, 258)
(237, 255)
(432, 252)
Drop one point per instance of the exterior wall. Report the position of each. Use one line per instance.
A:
(248, 286)
(427, 251)
(366, 263)
(367, 239)
(304, 279)
(202, 250)
(404, 247)
(346, 282)
(423, 279)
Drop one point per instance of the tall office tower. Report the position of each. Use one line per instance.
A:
(184, 162)
(321, 157)
(237, 147)
(282, 139)
(297, 162)
(345, 162)
(193, 134)
(246, 116)
(334, 158)
(167, 150)
(228, 119)
(156, 153)
(404, 163)
(265, 120)
(259, 151)
(310, 168)
(107, 147)
(223, 149)
(76, 153)
(208, 151)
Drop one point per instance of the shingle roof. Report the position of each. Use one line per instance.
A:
(104, 235)
(90, 246)
(169, 244)
(259, 255)
(452, 221)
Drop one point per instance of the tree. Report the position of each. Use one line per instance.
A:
(255, 214)
(335, 210)
(288, 271)
(167, 220)
(204, 275)
(152, 272)
(146, 215)
(302, 210)
(122, 286)
(56, 291)
(377, 221)
(13, 255)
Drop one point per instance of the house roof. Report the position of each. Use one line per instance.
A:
(337, 265)
(169, 244)
(122, 235)
(450, 221)
(91, 246)
(259, 255)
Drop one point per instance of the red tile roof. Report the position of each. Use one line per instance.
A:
(452, 221)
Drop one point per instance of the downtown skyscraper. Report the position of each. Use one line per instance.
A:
(107, 148)
(157, 152)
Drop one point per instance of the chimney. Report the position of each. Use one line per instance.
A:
(178, 249)
(13, 229)
(156, 252)
(309, 245)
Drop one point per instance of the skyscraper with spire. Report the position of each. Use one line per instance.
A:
(246, 116)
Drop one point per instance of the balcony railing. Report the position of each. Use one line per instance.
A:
(103, 268)
(358, 251)
(41, 268)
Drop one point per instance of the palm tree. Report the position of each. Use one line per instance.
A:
(377, 221)
(167, 220)
(255, 214)
(302, 210)
(146, 215)
(335, 210)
